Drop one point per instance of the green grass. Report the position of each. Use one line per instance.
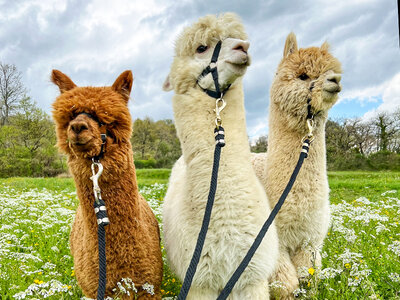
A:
(151, 176)
(144, 176)
(360, 256)
(348, 185)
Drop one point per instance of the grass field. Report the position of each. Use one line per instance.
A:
(361, 255)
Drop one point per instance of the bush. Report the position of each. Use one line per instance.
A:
(145, 164)
(379, 161)
(384, 160)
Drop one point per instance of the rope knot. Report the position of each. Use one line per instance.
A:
(219, 133)
(306, 147)
(101, 212)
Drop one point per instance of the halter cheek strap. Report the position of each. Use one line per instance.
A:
(212, 68)
(310, 113)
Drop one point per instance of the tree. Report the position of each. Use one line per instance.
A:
(167, 146)
(27, 144)
(261, 145)
(361, 135)
(386, 127)
(12, 91)
(143, 137)
(34, 124)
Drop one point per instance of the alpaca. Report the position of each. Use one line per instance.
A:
(132, 237)
(240, 206)
(303, 221)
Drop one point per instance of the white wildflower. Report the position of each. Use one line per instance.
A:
(277, 285)
(395, 247)
(380, 227)
(394, 277)
(149, 288)
(299, 292)
(389, 192)
(328, 273)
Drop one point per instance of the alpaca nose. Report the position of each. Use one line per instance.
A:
(241, 46)
(332, 83)
(78, 127)
(335, 78)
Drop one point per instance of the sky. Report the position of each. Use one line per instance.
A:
(94, 41)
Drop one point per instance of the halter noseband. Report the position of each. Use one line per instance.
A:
(103, 136)
(212, 68)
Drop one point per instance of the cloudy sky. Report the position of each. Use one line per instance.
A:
(94, 41)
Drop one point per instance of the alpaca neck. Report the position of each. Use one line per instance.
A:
(284, 146)
(195, 123)
(118, 187)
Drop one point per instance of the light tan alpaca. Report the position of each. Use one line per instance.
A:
(303, 220)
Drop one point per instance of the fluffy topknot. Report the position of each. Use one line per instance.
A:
(313, 61)
(209, 30)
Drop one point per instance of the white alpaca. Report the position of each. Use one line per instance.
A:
(303, 221)
(241, 206)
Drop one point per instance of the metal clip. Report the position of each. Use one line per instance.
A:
(310, 135)
(219, 106)
(95, 179)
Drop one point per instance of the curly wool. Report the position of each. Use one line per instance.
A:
(208, 30)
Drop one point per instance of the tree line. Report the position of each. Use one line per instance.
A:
(27, 138)
(359, 144)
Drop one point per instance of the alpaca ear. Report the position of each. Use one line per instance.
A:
(63, 82)
(123, 84)
(325, 46)
(290, 45)
(167, 86)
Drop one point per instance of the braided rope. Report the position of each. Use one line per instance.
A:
(246, 260)
(102, 221)
(187, 282)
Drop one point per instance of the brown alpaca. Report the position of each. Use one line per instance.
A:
(132, 237)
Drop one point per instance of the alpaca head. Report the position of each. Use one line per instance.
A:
(194, 49)
(106, 112)
(303, 74)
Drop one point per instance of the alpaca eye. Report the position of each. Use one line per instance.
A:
(304, 76)
(201, 49)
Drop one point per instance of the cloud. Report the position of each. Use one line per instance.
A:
(94, 41)
(390, 94)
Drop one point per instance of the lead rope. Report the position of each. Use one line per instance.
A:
(102, 221)
(219, 143)
(307, 140)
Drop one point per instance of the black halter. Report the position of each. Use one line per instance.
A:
(102, 135)
(212, 68)
(310, 113)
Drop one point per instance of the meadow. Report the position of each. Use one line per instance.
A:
(361, 255)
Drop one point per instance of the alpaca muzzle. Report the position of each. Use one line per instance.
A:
(79, 126)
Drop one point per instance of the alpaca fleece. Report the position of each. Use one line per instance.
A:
(132, 237)
(240, 206)
(303, 220)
